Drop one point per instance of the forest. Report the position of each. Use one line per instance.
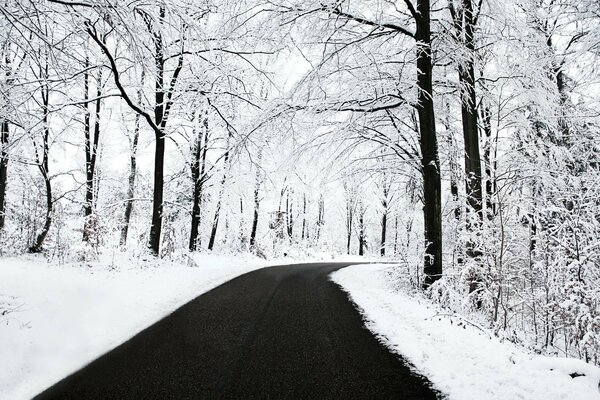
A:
(459, 139)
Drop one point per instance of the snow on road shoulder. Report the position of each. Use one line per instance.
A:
(461, 361)
(55, 319)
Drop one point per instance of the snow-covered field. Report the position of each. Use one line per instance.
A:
(461, 360)
(55, 319)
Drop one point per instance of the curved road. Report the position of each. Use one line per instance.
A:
(283, 332)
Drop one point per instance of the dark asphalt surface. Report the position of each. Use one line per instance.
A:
(278, 333)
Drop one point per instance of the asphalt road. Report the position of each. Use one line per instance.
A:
(277, 333)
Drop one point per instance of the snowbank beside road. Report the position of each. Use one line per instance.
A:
(55, 319)
(460, 360)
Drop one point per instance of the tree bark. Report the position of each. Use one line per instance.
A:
(157, 198)
(432, 210)
(466, 72)
(320, 217)
(4, 136)
(304, 233)
(91, 151)
(384, 203)
(361, 231)
(396, 234)
(349, 223)
(159, 152)
(289, 206)
(163, 100)
(43, 167)
(256, 203)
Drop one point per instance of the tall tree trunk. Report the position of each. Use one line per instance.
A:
(159, 152)
(430, 164)
(243, 238)
(304, 233)
(349, 223)
(4, 138)
(157, 198)
(383, 229)
(198, 178)
(215, 224)
(289, 205)
(466, 72)
(132, 169)
(256, 202)
(4, 132)
(91, 152)
(385, 206)
(561, 85)
(396, 234)
(320, 216)
(361, 231)
(43, 167)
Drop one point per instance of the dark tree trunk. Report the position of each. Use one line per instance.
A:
(91, 152)
(361, 233)
(384, 216)
(454, 194)
(289, 205)
(243, 238)
(4, 132)
(163, 100)
(157, 198)
(304, 233)
(39, 241)
(349, 223)
(432, 210)
(159, 153)
(4, 138)
(320, 216)
(215, 224)
(383, 232)
(396, 234)
(43, 167)
(564, 99)
(466, 72)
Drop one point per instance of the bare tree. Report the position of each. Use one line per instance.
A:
(163, 102)
(91, 142)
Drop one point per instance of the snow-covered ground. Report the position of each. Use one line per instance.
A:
(461, 360)
(55, 319)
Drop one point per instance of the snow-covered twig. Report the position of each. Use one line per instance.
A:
(464, 320)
